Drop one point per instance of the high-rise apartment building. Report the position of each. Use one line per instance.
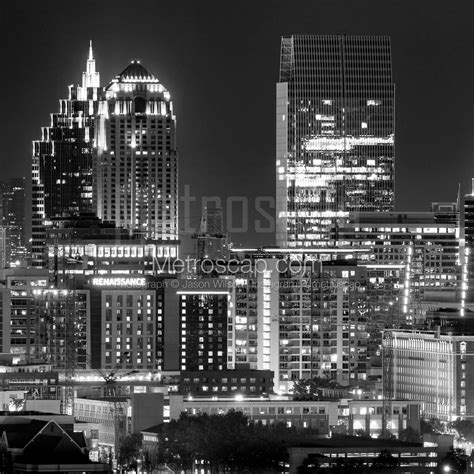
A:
(204, 328)
(299, 318)
(335, 134)
(20, 321)
(193, 331)
(62, 159)
(62, 331)
(136, 171)
(125, 312)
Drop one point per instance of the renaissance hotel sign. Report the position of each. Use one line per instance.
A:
(119, 282)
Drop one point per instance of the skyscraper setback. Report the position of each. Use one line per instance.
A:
(136, 162)
(62, 159)
(335, 134)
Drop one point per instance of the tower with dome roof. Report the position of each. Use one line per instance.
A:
(136, 167)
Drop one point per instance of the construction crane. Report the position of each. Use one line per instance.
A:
(387, 380)
(59, 336)
(119, 406)
(71, 348)
(72, 324)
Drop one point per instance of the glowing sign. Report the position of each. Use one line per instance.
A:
(130, 282)
(344, 143)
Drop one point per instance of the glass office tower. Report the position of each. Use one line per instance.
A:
(62, 164)
(335, 134)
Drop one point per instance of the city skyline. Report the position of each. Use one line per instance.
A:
(430, 70)
(301, 299)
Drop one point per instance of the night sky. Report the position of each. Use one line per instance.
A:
(220, 62)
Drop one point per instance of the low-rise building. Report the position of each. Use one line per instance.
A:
(35, 380)
(34, 445)
(222, 383)
(368, 416)
(355, 452)
(119, 416)
(434, 367)
(327, 416)
(319, 415)
(150, 444)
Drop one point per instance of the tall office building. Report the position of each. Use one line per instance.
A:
(136, 162)
(62, 159)
(335, 134)
(12, 222)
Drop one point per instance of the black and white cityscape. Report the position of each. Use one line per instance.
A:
(237, 238)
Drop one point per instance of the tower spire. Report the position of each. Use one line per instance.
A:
(90, 78)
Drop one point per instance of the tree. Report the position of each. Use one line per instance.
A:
(130, 451)
(456, 459)
(360, 433)
(432, 425)
(387, 434)
(465, 428)
(227, 442)
(384, 460)
(310, 465)
(347, 466)
(410, 435)
(177, 443)
(310, 389)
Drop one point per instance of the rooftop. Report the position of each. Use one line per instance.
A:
(154, 429)
(357, 442)
(135, 72)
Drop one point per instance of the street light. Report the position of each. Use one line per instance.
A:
(449, 469)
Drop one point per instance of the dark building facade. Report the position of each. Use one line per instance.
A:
(203, 330)
(195, 332)
(335, 133)
(211, 241)
(466, 250)
(227, 383)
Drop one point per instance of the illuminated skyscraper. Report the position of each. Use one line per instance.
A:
(335, 134)
(136, 164)
(62, 159)
(12, 221)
